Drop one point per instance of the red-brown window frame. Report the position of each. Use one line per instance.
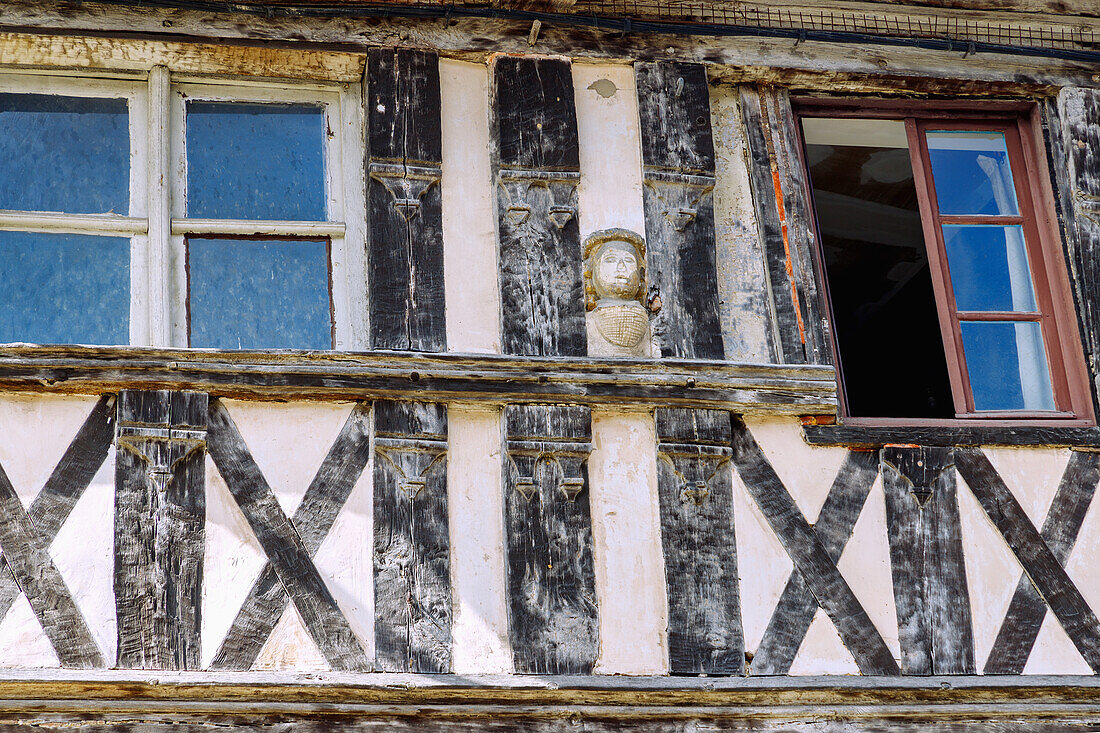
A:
(1057, 314)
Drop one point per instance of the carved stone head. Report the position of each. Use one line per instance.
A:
(614, 267)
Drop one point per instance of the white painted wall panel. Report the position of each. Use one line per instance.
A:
(475, 506)
(469, 216)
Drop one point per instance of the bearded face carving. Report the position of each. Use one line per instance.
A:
(614, 273)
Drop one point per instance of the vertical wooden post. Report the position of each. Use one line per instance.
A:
(412, 581)
(160, 514)
(407, 310)
(551, 578)
(537, 170)
(678, 155)
(695, 481)
(926, 560)
(159, 238)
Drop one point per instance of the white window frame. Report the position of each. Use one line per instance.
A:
(156, 223)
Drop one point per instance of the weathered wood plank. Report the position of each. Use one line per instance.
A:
(946, 437)
(791, 619)
(160, 528)
(695, 485)
(29, 563)
(53, 504)
(1020, 628)
(812, 560)
(552, 608)
(282, 544)
(926, 561)
(405, 280)
(412, 583)
(678, 158)
(313, 519)
(537, 170)
(1078, 176)
(1031, 550)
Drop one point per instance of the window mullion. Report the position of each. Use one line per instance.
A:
(937, 261)
(158, 262)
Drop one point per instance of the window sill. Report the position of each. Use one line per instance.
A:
(866, 436)
(326, 375)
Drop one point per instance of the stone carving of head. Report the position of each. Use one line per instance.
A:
(614, 266)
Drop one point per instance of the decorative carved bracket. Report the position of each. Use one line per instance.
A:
(679, 193)
(162, 440)
(530, 458)
(406, 183)
(1088, 204)
(550, 196)
(412, 459)
(695, 468)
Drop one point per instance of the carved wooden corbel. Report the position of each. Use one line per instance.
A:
(406, 183)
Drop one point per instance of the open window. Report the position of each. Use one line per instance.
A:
(947, 288)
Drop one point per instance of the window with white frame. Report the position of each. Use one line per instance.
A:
(180, 213)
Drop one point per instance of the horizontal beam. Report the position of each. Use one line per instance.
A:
(856, 436)
(312, 375)
(241, 227)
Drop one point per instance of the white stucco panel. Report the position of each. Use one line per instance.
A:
(23, 643)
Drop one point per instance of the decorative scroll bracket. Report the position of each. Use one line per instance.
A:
(406, 183)
(529, 458)
(161, 446)
(680, 194)
(695, 467)
(546, 195)
(412, 459)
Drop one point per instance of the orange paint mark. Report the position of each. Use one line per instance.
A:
(787, 252)
(818, 419)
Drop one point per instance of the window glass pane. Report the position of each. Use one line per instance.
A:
(255, 161)
(68, 154)
(246, 294)
(989, 269)
(877, 268)
(1007, 366)
(64, 289)
(971, 172)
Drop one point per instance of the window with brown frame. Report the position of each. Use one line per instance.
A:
(947, 288)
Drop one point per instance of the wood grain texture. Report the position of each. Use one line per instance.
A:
(811, 558)
(791, 619)
(412, 583)
(1020, 628)
(160, 528)
(695, 485)
(66, 484)
(30, 565)
(926, 561)
(537, 170)
(876, 437)
(678, 158)
(1031, 550)
(313, 519)
(405, 270)
(1077, 173)
(552, 607)
(283, 545)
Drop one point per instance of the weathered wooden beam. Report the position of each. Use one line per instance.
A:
(678, 158)
(791, 619)
(412, 580)
(926, 561)
(875, 437)
(160, 528)
(552, 607)
(74, 472)
(283, 545)
(537, 171)
(786, 389)
(1027, 610)
(313, 519)
(405, 256)
(1031, 550)
(811, 558)
(695, 485)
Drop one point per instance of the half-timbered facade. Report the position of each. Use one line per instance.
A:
(596, 365)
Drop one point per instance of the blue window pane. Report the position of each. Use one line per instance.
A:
(259, 294)
(255, 161)
(64, 289)
(972, 173)
(1007, 366)
(989, 269)
(68, 154)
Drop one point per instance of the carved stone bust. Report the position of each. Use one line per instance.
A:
(615, 294)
